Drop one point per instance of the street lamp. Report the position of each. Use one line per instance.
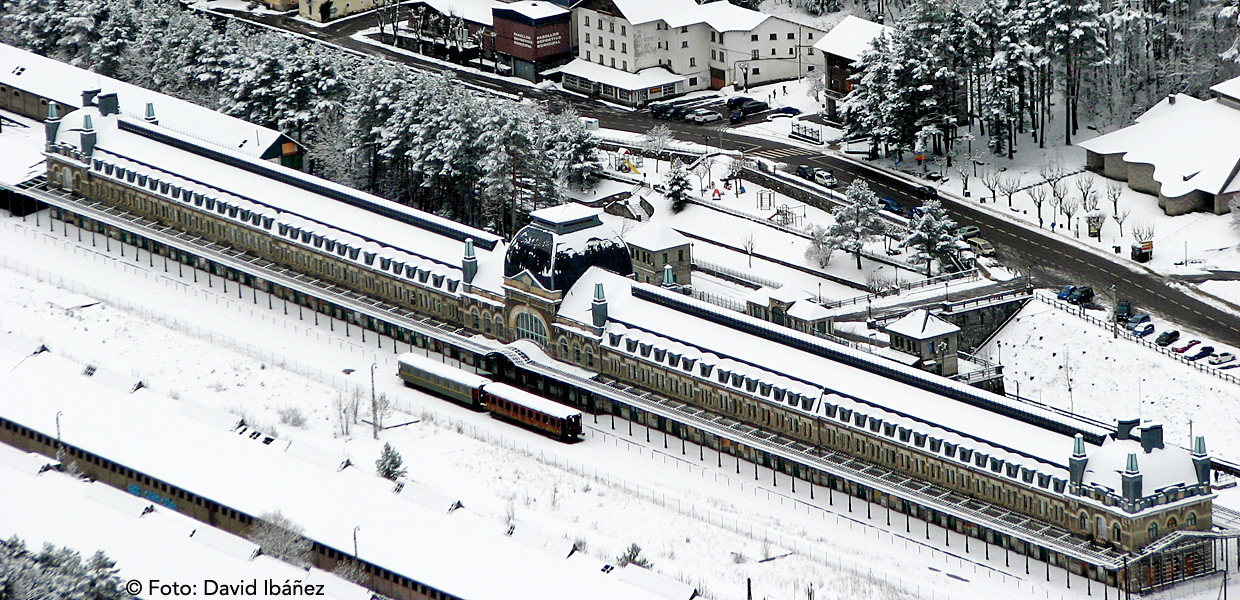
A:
(58, 413)
(374, 405)
(355, 541)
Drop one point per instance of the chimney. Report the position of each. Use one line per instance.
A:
(52, 125)
(669, 279)
(1131, 482)
(150, 114)
(1151, 437)
(109, 104)
(598, 308)
(1123, 430)
(1201, 461)
(1076, 464)
(1171, 99)
(88, 97)
(88, 136)
(469, 266)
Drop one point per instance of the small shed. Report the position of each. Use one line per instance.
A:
(931, 339)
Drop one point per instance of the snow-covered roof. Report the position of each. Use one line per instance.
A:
(808, 374)
(807, 310)
(1161, 468)
(1229, 88)
(540, 9)
(563, 214)
(65, 83)
(474, 11)
(1191, 145)
(850, 37)
(22, 149)
(653, 236)
(416, 243)
(646, 78)
(1166, 105)
(60, 509)
(921, 325)
(438, 549)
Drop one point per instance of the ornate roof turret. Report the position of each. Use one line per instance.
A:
(563, 242)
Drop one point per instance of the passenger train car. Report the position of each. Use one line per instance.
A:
(502, 400)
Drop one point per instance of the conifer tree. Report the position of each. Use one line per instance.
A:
(389, 464)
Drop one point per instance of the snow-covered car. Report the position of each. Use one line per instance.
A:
(1202, 353)
(1143, 329)
(968, 231)
(1222, 358)
(702, 115)
(825, 178)
(1185, 347)
(1137, 319)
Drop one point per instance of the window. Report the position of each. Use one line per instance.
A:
(772, 52)
(1153, 530)
(612, 44)
(692, 81)
(809, 36)
(613, 62)
(721, 37)
(600, 41)
(665, 258)
(587, 37)
(624, 65)
(1191, 520)
(774, 36)
(587, 55)
(680, 255)
(792, 36)
(792, 51)
(754, 54)
(587, 23)
(1115, 532)
(684, 44)
(600, 25)
(624, 48)
(692, 61)
(810, 51)
(624, 30)
(753, 38)
(684, 30)
(611, 27)
(576, 353)
(712, 55)
(757, 71)
(712, 36)
(531, 327)
(600, 59)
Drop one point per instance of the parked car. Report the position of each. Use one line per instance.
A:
(702, 115)
(980, 246)
(788, 110)
(805, 172)
(736, 117)
(825, 178)
(1167, 338)
(1202, 353)
(968, 231)
(1081, 295)
(1185, 347)
(1222, 358)
(679, 112)
(736, 101)
(1137, 319)
(753, 106)
(1065, 292)
(1143, 329)
(660, 111)
(891, 205)
(1123, 310)
(926, 192)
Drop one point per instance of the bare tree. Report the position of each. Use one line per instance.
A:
(1119, 217)
(749, 243)
(1069, 208)
(380, 408)
(656, 141)
(992, 179)
(1085, 187)
(1115, 189)
(1037, 194)
(702, 170)
(1052, 171)
(279, 537)
(1010, 186)
(1059, 193)
(346, 410)
(1143, 231)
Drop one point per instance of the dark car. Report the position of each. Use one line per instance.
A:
(736, 101)
(805, 172)
(1081, 295)
(679, 112)
(1123, 310)
(736, 116)
(1143, 329)
(891, 205)
(926, 192)
(660, 111)
(1066, 291)
(788, 110)
(1202, 353)
(1167, 338)
(753, 106)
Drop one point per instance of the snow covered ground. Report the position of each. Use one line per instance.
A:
(697, 519)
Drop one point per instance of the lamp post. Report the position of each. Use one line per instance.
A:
(374, 406)
(58, 413)
(355, 541)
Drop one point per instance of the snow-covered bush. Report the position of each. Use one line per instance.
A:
(56, 573)
(279, 537)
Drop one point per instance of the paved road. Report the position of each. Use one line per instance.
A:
(1052, 262)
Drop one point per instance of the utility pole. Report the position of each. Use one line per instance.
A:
(1067, 368)
(374, 407)
(1115, 317)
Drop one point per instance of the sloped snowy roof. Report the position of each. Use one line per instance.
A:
(1191, 146)
(438, 549)
(654, 237)
(921, 325)
(1161, 468)
(807, 310)
(646, 78)
(535, 10)
(65, 83)
(850, 37)
(721, 15)
(1166, 105)
(475, 11)
(565, 213)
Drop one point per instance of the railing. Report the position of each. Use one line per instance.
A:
(1024, 290)
(971, 274)
(1105, 324)
(709, 267)
(720, 300)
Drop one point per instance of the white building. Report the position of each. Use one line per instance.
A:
(677, 46)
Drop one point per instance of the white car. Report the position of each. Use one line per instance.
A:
(1222, 358)
(702, 115)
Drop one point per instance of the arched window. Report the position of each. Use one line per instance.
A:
(1084, 522)
(474, 313)
(1153, 530)
(1172, 524)
(1115, 532)
(576, 353)
(1101, 531)
(589, 357)
(564, 348)
(486, 322)
(499, 326)
(530, 327)
(1191, 520)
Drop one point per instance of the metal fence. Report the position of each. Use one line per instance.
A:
(709, 267)
(719, 300)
